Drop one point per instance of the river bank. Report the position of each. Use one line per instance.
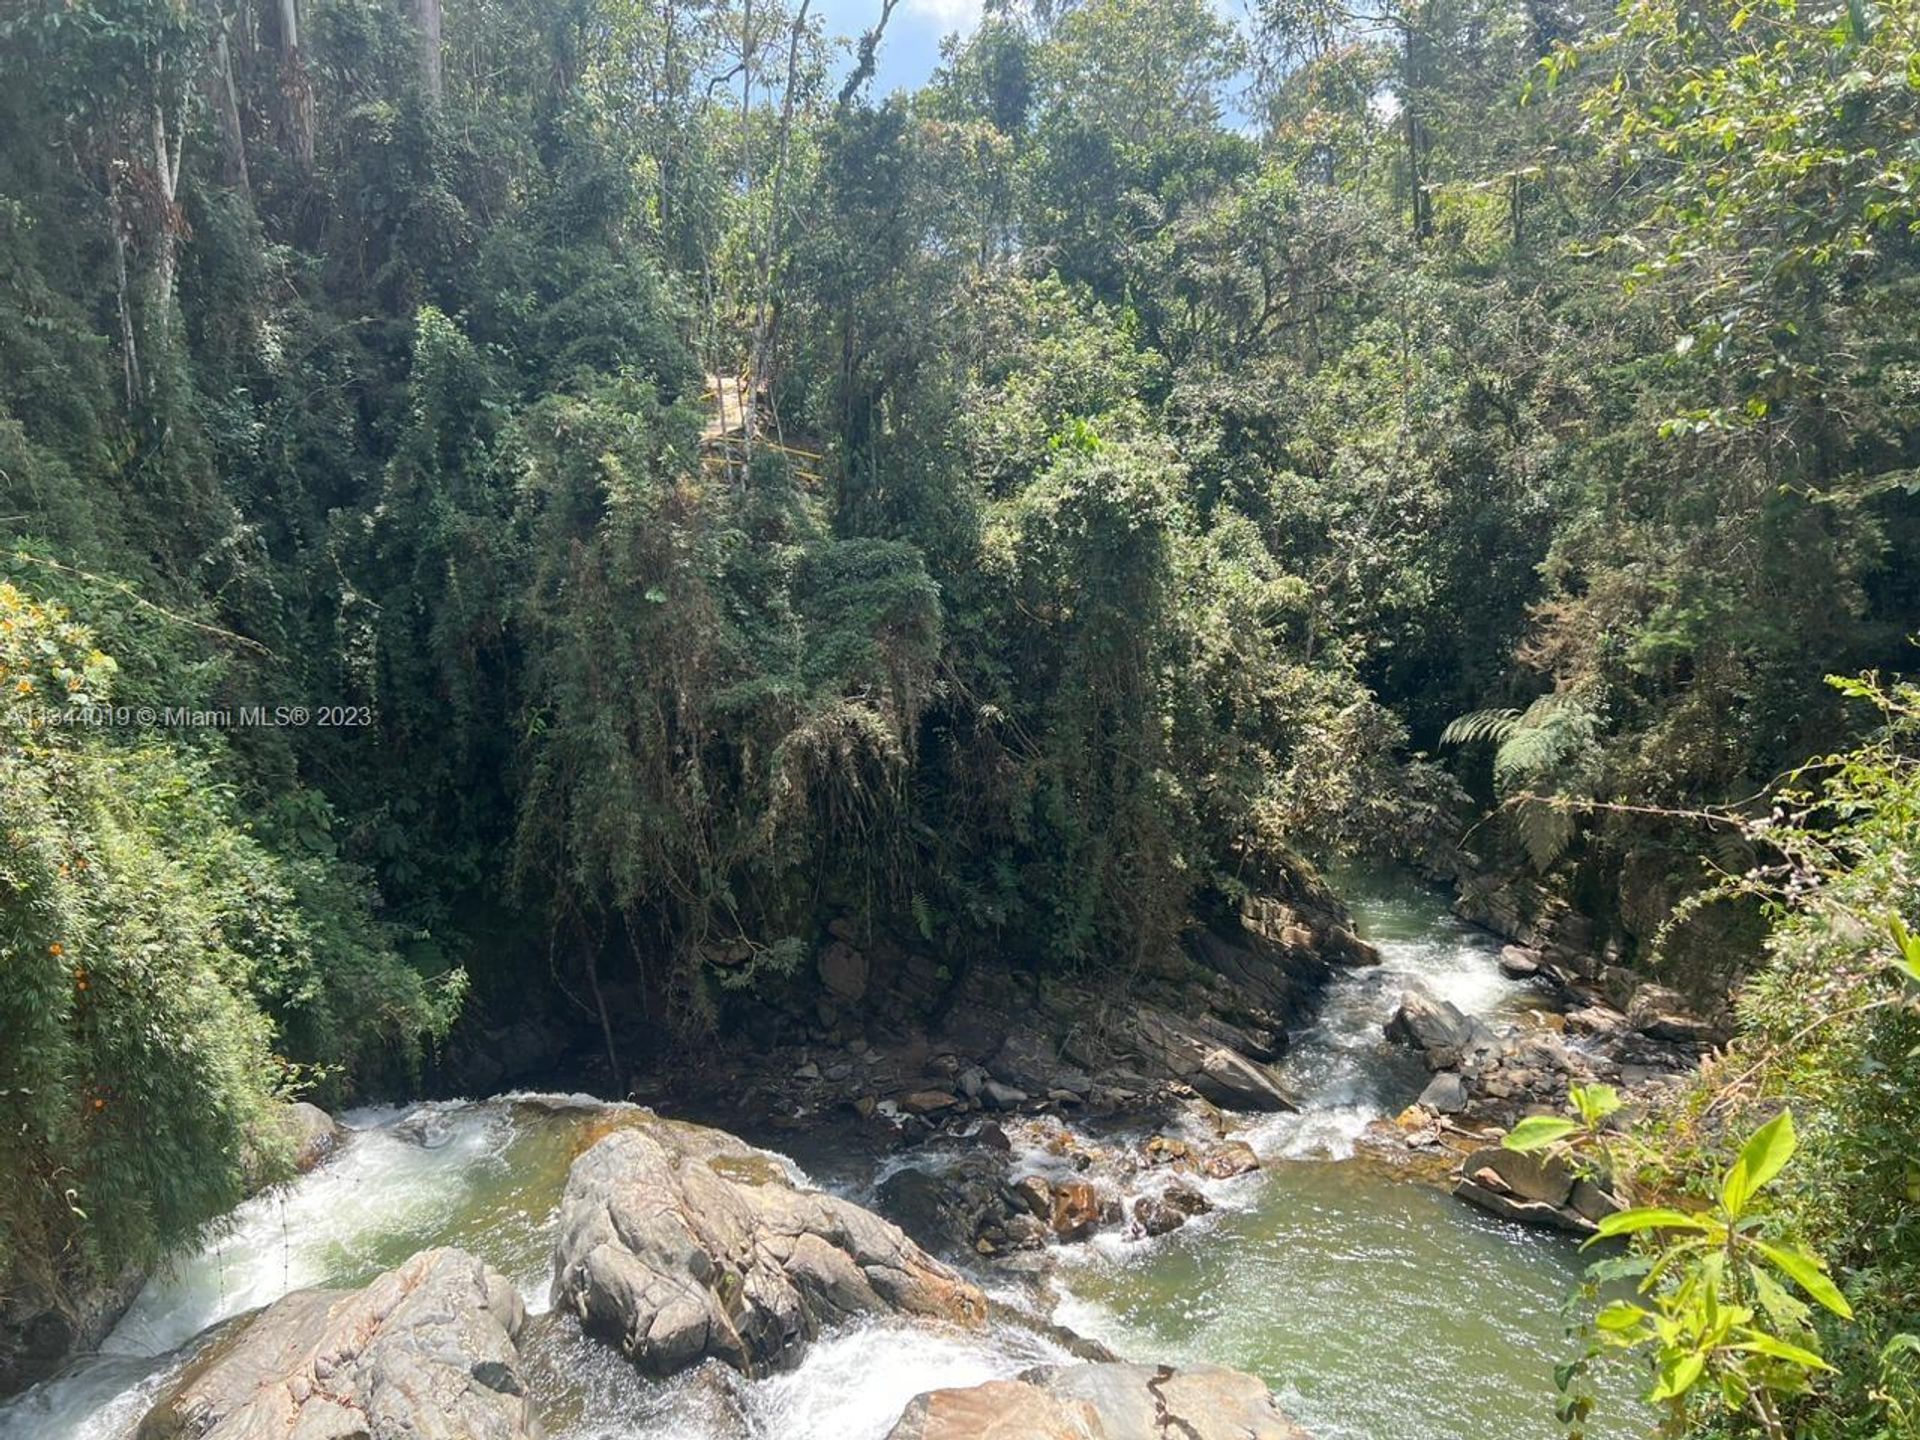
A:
(1376, 1310)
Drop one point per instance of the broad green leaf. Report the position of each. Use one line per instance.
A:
(1761, 1343)
(1537, 1132)
(1761, 1158)
(1594, 1102)
(1679, 1378)
(1652, 1217)
(1808, 1273)
(1784, 1310)
(1621, 1315)
(1906, 948)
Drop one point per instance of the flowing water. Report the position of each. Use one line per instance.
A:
(1377, 1308)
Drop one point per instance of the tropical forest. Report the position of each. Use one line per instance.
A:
(959, 719)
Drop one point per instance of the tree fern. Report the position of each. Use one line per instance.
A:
(1543, 759)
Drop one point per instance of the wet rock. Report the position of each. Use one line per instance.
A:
(1165, 1150)
(927, 1102)
(993, 1137)
(1002, 1097)
(1236, 1157)
(680, 1243)
(1519, 963)
(1034, 1194)
(1539, 1178)
(426, 1126)
(1591, 1201)
(1532, 1189)
(1075, 1210)
(1521, 1211)
(947, 1211)
(997, 1410)
(1437, 1028)
(1168, 1211)
(1237, 1083)
(39, 1331)
(426, 1351)
(312, 1134)
(1446, 1093)
(1103, 1401)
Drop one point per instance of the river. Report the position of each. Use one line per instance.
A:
(1378, 1309)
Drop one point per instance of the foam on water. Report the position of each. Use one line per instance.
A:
(394, 1183)
(1344, 1069)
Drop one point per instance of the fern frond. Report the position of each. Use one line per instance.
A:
(1546, 829)
(1478, 725)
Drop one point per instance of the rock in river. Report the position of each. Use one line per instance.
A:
(1108, 1401)
(425, 1352)
(1437, 1029)
(679, 1243)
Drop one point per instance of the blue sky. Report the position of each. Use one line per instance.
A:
(912, 45)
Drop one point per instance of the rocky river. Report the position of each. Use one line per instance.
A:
(1376, 1307)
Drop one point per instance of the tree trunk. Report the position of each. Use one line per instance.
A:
(1416, 177)
(296, 89)
(167, 225)
(762, 341)
(123, 299)
(426, 19)
(225, 103)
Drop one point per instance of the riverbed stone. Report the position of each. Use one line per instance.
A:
(997, 1410)
(425, 1352)
(680, 1243)
(1074, 1209)
(1168, 1211)
(1223, 1162)
(1446, 1093)
(1517, 962)
(1438, 1029)
(927, 1102)
(1544, 1179)
(1237, 1083)
(1663, 1014)
(1103, 1401)
(312, 1134)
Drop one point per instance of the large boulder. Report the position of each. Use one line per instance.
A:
(1103, 1401)
(997, 1410)
(1234, 1082)
(425, 1352)
(843, 970)
(1191, 1052)
(1662, 1013)
(681, 1243)
(1437, 1029)
(45, 1321)
(312, 1134)
(1534, 1189)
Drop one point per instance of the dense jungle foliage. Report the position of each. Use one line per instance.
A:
(1177, 444)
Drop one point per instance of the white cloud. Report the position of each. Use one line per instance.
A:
(961, 15)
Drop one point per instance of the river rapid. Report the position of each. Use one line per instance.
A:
(1377, 1308)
